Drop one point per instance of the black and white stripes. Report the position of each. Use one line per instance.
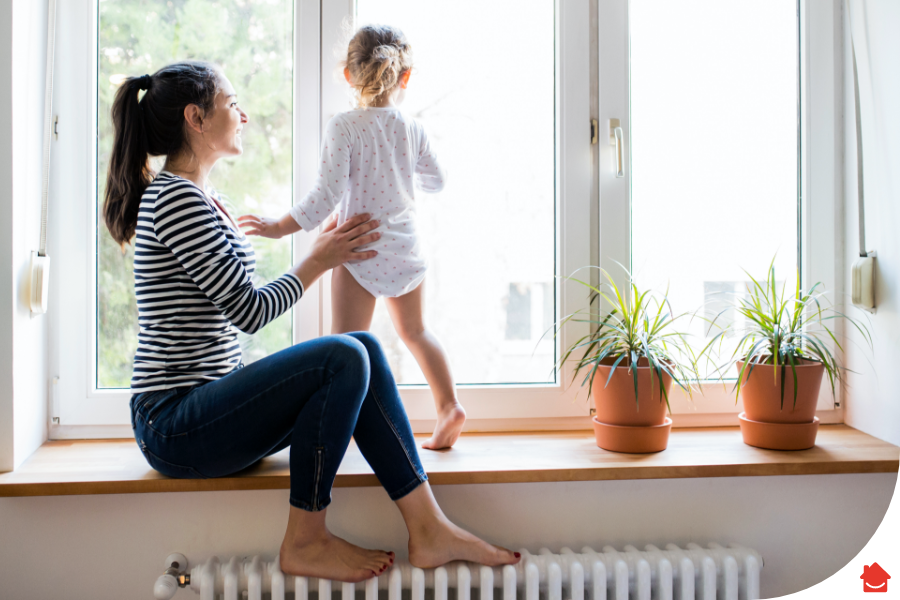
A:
(192, 273)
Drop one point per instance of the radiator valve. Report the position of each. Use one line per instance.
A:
(174, 577)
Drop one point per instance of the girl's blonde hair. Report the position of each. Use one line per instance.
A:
(377, 56)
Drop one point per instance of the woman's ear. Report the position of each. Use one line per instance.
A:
(193, 116)
(404, 78)
(347, 75)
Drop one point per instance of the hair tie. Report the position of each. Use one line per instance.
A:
(144, 82)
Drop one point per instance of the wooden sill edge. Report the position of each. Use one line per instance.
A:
(482, 459)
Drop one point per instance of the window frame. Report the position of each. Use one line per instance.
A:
(78, 410)
(81, 410)
(819, 159)
(489, 407)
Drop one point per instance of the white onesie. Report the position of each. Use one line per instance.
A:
(371, 161)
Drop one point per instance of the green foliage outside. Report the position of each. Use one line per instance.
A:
(252, 40)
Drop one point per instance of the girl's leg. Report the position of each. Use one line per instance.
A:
(385, 439)
(310, 393)
(352, 306)
(406, 313)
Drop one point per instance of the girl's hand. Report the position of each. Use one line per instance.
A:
(269, 228)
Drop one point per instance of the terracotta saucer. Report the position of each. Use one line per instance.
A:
(632, 440)
(779, 436)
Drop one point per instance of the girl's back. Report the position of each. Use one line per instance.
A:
(372, 160)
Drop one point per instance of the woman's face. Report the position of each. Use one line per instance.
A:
(222, 128)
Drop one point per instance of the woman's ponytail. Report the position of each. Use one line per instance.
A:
(150, 126)
(129, 171)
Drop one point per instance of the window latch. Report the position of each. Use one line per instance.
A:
(616, 138)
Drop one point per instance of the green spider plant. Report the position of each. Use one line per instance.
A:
(636, 329)
(784, 331)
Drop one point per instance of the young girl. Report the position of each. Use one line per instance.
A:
(372, 159)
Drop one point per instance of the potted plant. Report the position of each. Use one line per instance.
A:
(781, 358)
(629, 361)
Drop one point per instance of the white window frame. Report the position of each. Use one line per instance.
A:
(78, 410)
(81, 410)
(820, 160)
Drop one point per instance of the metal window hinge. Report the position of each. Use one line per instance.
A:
(595, 131)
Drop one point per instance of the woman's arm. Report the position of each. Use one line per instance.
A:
(186, 223)
(334, 246)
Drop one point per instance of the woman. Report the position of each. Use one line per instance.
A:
(196, 411)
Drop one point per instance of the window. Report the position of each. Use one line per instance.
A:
(253, 41)
(507, 99)
(713, 100)
(517, 157)
(494, 130)
(714, 148)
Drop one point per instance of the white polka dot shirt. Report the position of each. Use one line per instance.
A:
(372, 161)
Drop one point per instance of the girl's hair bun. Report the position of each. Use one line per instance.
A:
(377, 56)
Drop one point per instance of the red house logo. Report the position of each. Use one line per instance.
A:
(874, 578)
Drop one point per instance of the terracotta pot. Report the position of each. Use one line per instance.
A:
(622, 424)
(614, 404)
(779, 436)
(632, 440)
(761, 393)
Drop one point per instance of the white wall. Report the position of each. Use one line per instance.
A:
(97, 547)
(30, 333)
(23, 338)
(873, 402)
(6, 244)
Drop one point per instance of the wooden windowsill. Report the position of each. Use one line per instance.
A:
(117, 466)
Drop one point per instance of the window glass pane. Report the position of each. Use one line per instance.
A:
(490, 232)
(714, 149)
(252, 41)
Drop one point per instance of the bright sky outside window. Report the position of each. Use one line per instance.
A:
(484, 89)
(252, 40)
(714, 149)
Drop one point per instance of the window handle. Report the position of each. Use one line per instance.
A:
(617, 139)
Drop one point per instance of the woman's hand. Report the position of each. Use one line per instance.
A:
(269, 228)
(336, 245)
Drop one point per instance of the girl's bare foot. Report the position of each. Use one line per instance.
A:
(444, 542)
(449, 425)
(333, 558)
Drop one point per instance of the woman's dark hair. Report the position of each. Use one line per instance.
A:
(150, 126)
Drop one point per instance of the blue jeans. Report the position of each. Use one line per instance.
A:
(312, 397)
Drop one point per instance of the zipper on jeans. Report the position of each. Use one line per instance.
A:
(320, 452)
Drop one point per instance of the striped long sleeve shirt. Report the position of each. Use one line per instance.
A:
(192, 281)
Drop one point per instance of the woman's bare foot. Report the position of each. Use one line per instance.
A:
(334, 558)
(434, 540)
(310, 550)
(449, 425)
(436, 546)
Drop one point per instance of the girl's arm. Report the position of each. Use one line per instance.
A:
(270, 228)
(332, 181)
(318, 204)
(429, 174)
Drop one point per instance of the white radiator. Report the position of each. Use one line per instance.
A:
(673, 573)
